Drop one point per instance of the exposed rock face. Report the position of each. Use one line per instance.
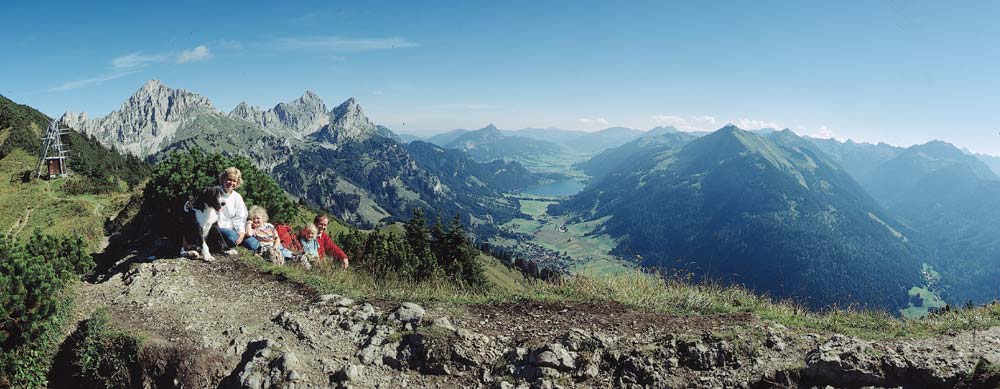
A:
(146, 121)
(305, 115)
(336, 160)
(301, 117)
(349, 124)
(265, 119)
(268, 334)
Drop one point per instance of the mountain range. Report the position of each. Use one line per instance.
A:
(337, 160)
(824, 221)
(769, 212)
(953, 199)
(534, 147)
(645, 147)
(489, 143)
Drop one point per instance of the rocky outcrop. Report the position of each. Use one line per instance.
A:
(349, 124)
(267, 120)
(146, 121)
(269, 334)
(299, 118)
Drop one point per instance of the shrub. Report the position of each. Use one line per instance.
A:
(421, 254)
(78, 185)
(32, 278)
(183, 173)
(104, 357)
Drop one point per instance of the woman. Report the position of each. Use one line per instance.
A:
(233, 217)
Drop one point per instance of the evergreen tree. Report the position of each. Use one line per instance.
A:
(421, 262)
(463, 255)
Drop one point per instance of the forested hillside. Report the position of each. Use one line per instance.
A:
(953, 199)
(774, 215)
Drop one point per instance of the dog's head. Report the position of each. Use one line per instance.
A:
(211, 196)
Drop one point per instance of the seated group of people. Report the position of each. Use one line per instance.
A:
(250, 229)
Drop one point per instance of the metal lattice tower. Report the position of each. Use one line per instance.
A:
(52, 155)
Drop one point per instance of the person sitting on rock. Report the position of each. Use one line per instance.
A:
(266, 235)
(233, 217)
(327, 248)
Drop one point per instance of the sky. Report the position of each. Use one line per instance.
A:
(900, 72)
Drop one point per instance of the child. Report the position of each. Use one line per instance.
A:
(310, 246)
(266, 235)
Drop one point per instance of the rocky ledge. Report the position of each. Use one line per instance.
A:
(243, 329)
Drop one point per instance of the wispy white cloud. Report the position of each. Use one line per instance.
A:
(592, 121)
(752, 124)
(137, 60)
(692, 123)
(196, 54)
(378, 93)
(338, 43)
(709, 123)
(77, 84)
(823, 132)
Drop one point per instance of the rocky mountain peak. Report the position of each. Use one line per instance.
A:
(148, 118)
(349, 107)
(309, 96)
(490, 132)
(348, 123)
(730, 128)
(244, 110)
(305, 115)
(153, 84)
(300, 117)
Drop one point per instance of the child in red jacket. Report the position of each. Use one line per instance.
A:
(326, 246)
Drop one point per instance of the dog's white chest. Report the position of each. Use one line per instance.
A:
(206, 218)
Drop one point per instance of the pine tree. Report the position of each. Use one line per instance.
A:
(422, 263)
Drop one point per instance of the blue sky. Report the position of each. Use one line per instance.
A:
(902, 72)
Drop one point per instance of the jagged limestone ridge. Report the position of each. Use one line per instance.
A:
(146, 122)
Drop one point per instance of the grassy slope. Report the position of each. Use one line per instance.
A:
(642, 292)
(637, 290)
(41, 204)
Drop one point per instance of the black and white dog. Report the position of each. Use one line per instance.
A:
(200, 228)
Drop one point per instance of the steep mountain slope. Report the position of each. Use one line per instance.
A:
(298, 118)
(642, 148)
(857, 158)
(990, 160)
(407, 138)
(21, 127)
(447, 137)
(774, 215)
(456, 168)
(148, 121)
(954, 199)
(595, 142)
(900, 175)
(661, 130)
(338, 160)
(489, 143)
